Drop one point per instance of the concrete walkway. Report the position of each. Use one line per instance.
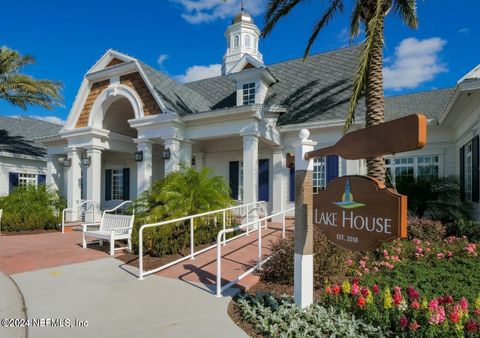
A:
(11, 306)
(107, 294)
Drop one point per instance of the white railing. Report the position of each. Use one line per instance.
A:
(118, 207)
(250, 207)
(80, 207)
(257, 223)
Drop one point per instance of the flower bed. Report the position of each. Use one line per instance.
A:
(406, 312)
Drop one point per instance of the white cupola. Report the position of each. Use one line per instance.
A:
(242, 39)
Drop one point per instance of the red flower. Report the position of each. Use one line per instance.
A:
(477, 312)
(454, 317)
(448, 299)
(397, 298)
(361, 302)
(403, 322)
(355, 280)
(472, 325)
(415, 305)
(375, 288)
(328, 290)
(412, 293)
(336, 289)
(414, 326)
(365, 291)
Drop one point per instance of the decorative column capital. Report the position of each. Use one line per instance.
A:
(303, 146)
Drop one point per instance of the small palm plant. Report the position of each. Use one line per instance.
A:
(22, 90)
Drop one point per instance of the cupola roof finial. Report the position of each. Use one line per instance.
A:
(242, 5)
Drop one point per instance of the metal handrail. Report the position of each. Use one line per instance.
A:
(192, 239)
(118, 207)
(74, 209)
(222, 233)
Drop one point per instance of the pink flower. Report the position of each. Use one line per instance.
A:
(415, 305)
(403, 322)
(433, 305)
(385, 253)
(416, 241)
(412, 293)
(397, 295)
(447, 299)
(349, 262)
(362, 264)
(414, 326)
(355, 288)
(440, 255)
(366, 270)
(450, 254)
(328, 290)
(419, 250)
(438, 316)
(464, 304)
(477, 312)
(375, 269)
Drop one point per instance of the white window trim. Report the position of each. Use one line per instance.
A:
(415, 163)
(117, 173)
(28, 179)
(468, 171)
(246, 92)
(319, 176)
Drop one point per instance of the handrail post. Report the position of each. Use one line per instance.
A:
(259, 226)
(283, 224)
(248, 231)
(219, 266)
(140, 253)
(192, 240)
(63, 221)
(224, 234)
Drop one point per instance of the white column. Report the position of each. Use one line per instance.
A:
(303, 260)
(172, 164)
(186, 153)
(250, 170)
(199, 161)
(144, 167)
(53, 172)
(94, 184)
(278, 193)
(73, 183)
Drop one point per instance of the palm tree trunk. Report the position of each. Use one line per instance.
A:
(375, 104)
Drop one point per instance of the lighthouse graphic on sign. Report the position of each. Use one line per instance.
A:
(347, 199)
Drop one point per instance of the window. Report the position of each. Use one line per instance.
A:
(117, 184)
(411, 167)
(468, 171)
(236, 41)
(248, 94)
(319, 174)
(247, 41)
(25, 180)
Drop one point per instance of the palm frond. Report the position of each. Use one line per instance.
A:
(355, 21)
(374, 33)
(335, 6)
(277, 12)
(407, 10)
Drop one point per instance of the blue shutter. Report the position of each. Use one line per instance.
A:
(263, 181)
(41, 179)
(12, 181)
(126, 184)
(233, 173)
(108, 184)
(292, 184)
(462, 174)
(475, 170)
(332, 167)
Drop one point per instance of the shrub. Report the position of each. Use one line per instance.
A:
(31, 208)
(425, 229)
(462, 227)
(328, 261)
(280, 317)
(182, 193)
(406, 312)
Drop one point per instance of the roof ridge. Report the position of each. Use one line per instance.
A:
(421, 92)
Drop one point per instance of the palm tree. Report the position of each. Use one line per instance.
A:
(22, 90)
(368, 77)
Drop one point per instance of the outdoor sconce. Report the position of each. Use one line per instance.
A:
(166, 154)
(67, 162)
(194, 161)
(139, 156)
(86, 160)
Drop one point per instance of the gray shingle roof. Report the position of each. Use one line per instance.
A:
(21, 135)
(177, 97)
(319, 89)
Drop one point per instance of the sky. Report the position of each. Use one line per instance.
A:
(184, 39)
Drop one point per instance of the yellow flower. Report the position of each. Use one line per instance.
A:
(387, 299)
(346, 286)
(477, 302)
(369, 299)
(424, 304)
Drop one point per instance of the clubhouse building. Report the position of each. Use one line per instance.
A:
(131, 125)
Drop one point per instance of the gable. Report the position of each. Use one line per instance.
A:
(114, 62)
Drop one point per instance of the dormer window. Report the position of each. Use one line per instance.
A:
(249, 93)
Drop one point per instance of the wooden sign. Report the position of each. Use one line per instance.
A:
(403, 134)
(359, 213)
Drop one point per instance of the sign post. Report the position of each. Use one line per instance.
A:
(354, 212)
(303, 266)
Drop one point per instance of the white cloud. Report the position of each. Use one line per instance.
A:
(414, 62)
(199, 11)
(195, 73)
(161, 59)
(464, 30)
(49, 118)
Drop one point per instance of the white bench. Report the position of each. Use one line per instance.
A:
(112, 228)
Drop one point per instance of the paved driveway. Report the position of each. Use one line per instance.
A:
(116, 304)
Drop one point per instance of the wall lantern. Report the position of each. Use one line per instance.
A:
(166, 154)
(86, 160)
(194, 161)
(67, 162)
(139, 156)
